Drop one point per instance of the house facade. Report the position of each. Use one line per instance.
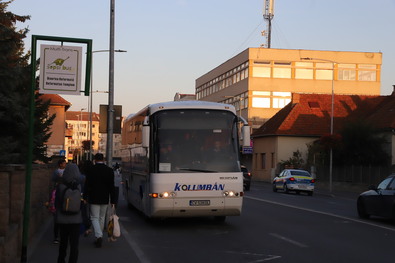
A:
(59, 107)
(307, 117)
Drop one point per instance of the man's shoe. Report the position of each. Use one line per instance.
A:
(98, 242)
(56, 241)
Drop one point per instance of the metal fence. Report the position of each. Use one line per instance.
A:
(367, 175)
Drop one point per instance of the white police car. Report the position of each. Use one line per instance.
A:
(294, 180)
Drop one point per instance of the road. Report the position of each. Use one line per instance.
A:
(274, 227)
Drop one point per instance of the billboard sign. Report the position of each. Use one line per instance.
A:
(60, 69)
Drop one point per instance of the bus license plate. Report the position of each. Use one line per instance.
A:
(199, 202)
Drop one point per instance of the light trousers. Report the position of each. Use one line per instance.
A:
(98, 217)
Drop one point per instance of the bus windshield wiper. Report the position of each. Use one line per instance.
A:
(197, 170)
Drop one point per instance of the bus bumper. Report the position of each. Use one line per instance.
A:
(193, 207)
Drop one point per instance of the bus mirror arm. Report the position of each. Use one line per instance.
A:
(246, 135)
(245, 132)
(244, 121)
(145, 132)
(145, 135)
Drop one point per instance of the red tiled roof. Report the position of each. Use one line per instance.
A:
(75, 116)
(55, 100)
(309, 114)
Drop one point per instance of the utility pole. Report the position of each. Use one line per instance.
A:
(110, 115)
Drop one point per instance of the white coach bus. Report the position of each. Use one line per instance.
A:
(183, 160)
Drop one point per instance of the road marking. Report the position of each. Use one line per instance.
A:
(320, 212)
(267, 257)
(296, 243)
(133, 244)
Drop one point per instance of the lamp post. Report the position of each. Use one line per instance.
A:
(79, 133)
(332, 114)
(90, 103)
(110, 115)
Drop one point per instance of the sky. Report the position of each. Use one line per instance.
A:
(171, 43)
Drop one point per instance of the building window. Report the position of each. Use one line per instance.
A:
(366, 72)
(261, 72)
(263, 160)
(272, 160)
(261, 99)
(260, 102)
(346, 71)
(304, 70)
(282, 70)
(281, 99)
(324, 71)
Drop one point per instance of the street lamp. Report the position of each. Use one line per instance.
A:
(90, 103)
(332, 114)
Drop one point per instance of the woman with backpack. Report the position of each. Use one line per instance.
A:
(68, 212)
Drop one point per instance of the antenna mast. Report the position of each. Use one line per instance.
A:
(268, 14)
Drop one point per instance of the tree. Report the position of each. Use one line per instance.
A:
(294, 162)
(358, 143)
(14, 85)
(362, 145)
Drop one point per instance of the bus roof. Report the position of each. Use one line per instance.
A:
(184, 104)
(190, 104)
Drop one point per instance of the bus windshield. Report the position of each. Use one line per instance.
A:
(195, 140)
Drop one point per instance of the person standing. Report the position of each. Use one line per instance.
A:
(69, 224)
(58, 173)
(99, 191)
(117, 183)
(57, 177)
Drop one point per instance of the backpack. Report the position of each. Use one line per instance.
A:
(71, 199)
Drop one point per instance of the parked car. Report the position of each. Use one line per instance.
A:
(246, 178)
(294, 180)
(378, 201)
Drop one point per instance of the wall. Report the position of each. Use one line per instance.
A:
(12, 196)
(277, 149)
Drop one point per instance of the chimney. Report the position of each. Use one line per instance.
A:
(295, 98)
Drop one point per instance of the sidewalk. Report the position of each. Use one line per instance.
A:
(41, 249)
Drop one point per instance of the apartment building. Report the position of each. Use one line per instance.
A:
(78, 130)
(259, 81)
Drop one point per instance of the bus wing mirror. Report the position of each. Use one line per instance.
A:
(246, 135)
(146, 132)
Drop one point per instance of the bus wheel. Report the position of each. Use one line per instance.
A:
(220, 219)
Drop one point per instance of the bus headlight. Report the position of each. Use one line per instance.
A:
(167, 195)
(230, 194)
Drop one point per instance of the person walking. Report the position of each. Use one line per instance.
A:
(57, 177)
(84, 167)
(69, 224)
(99, 192)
